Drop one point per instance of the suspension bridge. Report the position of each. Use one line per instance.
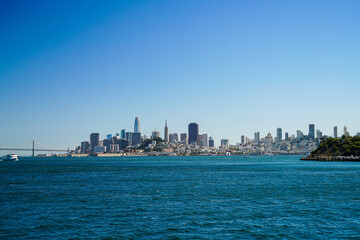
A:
(33, 149)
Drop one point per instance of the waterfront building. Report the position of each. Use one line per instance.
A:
(137, 125)
(224, 143)
(135, 139)
(193, 129)
(99, 149)
(155, 134)
(85, 147)
(257, 137)
(107, 143)
(286, 136)
(243, 140)
(211, 142)
(278, 135)
(94, 141)
(122, 133)
(335, 132)
(122, 142)
(166, 132)
(114, 148)
(311, 131)
(183, 138)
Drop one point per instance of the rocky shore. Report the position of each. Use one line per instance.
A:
(332, 159)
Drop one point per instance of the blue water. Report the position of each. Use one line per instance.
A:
(179, 198)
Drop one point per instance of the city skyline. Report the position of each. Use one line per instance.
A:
(234, 67)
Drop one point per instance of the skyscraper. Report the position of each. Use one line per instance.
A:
(243, 140)
(311, 131)
(211, 142)
(183, 138)
(205, 140)
(166, 132)
(257, 137)
(193, 133)
(122, 135)
(137, 125)
(278, 134)
(94, 141)
(335, 132)
(346, 133)
(286, 136)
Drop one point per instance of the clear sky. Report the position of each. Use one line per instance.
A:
(69, 68)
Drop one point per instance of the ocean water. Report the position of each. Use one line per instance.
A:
(274, 197)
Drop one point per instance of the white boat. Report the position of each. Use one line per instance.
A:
(10, 157)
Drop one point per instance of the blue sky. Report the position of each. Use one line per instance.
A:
(69, 68)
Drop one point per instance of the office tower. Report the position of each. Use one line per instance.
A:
(257, 137)
(268, 138)
(117, 134)
(193, 133)
(107, 143)
(155, 134)
(286, 136)
(278, 135)
(173, 137)
(311, 131)
(318, 134)
(224, 143)
(137, 125)
(346, 133)
(123, 143)
(211, 142)
(135, 139)
(335, 132)
(122, 133)
(85, 147)
(243, 140)
(94, 141)
(205, 140)
(128, 137)
(166, 132)
(109, 136)
(299, 134)
(183, 138)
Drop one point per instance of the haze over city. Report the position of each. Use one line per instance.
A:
(69, 69)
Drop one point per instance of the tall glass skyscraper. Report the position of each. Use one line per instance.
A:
(137, 125)
(193, 133)
(311, 131)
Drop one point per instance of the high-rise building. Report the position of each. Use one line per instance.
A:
(335, 132)
(211, 142)
(183, 138)
(346, 133)
(173, 137)
(137, 125)
(94, 141)
(107, 143)
(85, 147)
(318, 134)
(109, 136)
(224, 143)
(193, 133)
(286, 136)
(257, 137)
(155, 134)
(122, 142)
(135, 139)
(299, 134)
(278, 134)
(205, 140)
(166, 132)
(128, 137)
(311, 131)
(243, 140)
(122, 135)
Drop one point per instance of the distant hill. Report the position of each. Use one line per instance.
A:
(345, 146)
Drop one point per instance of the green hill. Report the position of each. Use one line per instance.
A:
(345, 146)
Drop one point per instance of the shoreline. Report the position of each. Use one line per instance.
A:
(331, 159)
